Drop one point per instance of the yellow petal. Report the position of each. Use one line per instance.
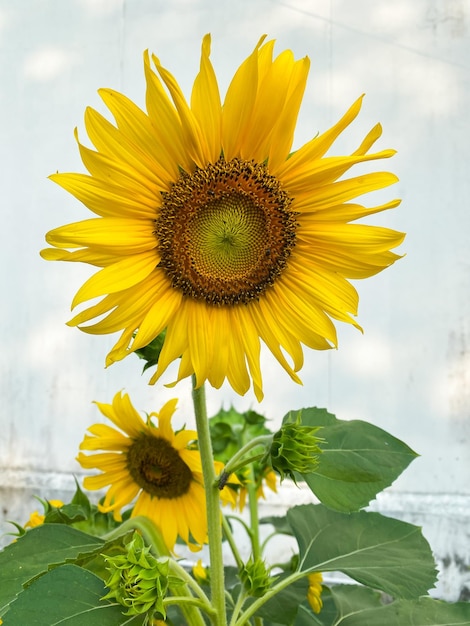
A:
(238, 104)
(121, 275)
(205, 102)
(107, 235)
(105, 198)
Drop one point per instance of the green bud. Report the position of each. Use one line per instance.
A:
(255, 577)
(295, 449)
(138, 580)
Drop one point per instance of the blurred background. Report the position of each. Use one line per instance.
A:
(409, 373)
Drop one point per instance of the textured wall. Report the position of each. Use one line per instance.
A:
(410, 371)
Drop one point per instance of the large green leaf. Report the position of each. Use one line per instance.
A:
(33, 554)
(377, 551)
(67, 595)
(353, 611)
(358, 460)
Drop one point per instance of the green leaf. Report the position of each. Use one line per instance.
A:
(33, 554)
(231, 430)
(377, 551)
(358, 460)
(151, 352)
(280, 524)
(67, 595)
(353, 610)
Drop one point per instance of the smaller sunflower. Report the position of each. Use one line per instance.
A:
(151, 465)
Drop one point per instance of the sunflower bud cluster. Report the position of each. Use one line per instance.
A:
(295, 448)
(255, 577)
(138, 580)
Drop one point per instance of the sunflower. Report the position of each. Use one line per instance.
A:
(210, 229)
(152, 465)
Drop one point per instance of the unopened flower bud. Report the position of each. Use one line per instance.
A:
(295, 449)
(314, 591)
(138, 580)
(255, 577)
(201, 573)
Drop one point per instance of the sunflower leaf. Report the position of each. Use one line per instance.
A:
(358, 460)
(37, 551)
(354, 609)
(151, 352)
(67, 595)
(377, 551)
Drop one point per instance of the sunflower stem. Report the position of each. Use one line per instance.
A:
(249, 612)
(214, 526)
(231, 541)
(237, 461)
(182, 574)
(254, 518)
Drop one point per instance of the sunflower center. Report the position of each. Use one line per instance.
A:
(157, 467)
(225, 232)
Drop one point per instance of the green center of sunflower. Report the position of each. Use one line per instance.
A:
(157, 467)
(225, 232)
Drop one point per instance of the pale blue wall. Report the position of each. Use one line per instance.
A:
(409, 372)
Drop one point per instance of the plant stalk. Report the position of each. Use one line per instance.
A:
(214, 525)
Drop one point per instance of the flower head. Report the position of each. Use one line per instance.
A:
(210, 229)
(151, 464)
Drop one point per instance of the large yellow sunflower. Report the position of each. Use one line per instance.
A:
(210, 228)
(152, 465)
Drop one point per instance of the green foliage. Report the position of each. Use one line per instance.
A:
(358, 460)
(231, 430)
(350, 605)
(283, 607)
(55, 573)
(37, 551)
(377, 551)
(67, 595)
(151, 353)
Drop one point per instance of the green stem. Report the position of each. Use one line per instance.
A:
(231, 541)
(182, 574)
(214, 526)
(236, 461)
(254, 519)
(238, 606)
(257, 604)
(147, 528)
(184, 602)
